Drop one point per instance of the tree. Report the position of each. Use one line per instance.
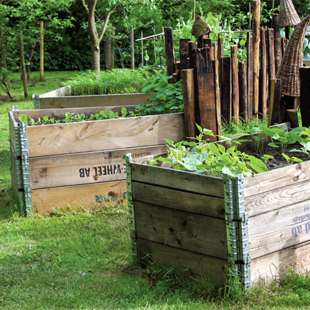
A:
(100, 18)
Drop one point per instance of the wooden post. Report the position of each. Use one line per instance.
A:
(142, 54)
(243, 104)
(271, 100)
(226, 106)
(287, 32)
(256, 40)
(250, 74)
(191, 47)
(284, 44)
(132, 45)
(218, 98)
(189, 103)
(41, 50)
(170, 58)
(275, 98)
(220, 51)
(205, 90)
(263, 76)
(305, 96)
(277, 41)
(271, 59)
(184, 54)
(235, 82)
(22, 62)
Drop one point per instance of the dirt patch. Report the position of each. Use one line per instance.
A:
(4, 98)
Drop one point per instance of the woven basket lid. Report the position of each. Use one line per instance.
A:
(292, 60)
(288, 15)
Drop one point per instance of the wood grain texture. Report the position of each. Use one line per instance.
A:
(235, 82)
(93, 136)
(61, 113)
(88, 196)
(172, 257)
(85, 168)
(226, 91)
(184, 230)
(179, 200)
(271, 180)
(58, 102)
(169, 48)
(277, 265)
(180, 180)
(277, 198)
(243, 90)
(263, 76)
(250, 74)
(279, 229)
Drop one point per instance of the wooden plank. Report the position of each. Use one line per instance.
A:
(235, 82)
(277, 115)
(196, 263)
(60, 92)
(243, 90)
(271, 59)
(274, 266)
(286, 227)
(263, 76)
(169, 48)
(250, 74)
(305, 95)
(205, 90)
(180, 180)
(226, 89)
(179, 200)
(85, 168)
(277, 198)
(271, 180)
(89, 196)
(189, 103)
(291, 116)
(61, 113)
(191, 47)
(183, 230)
(110, 134)
(184, 54)
(93, 101)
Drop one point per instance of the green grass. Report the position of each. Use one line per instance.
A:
(81, 259)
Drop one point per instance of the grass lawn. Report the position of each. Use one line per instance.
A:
(81, 259)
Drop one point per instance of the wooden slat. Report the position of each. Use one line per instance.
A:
(93, 101)
(243, 90)
(235, 82)
(180, 180)
(196, 263)
(271, 267)
(277, 198)
(279, 229)
(63, 91)
(61, 113)
(263, 76)
(89, 196)
(174, 199)
(184, 230)
(250, 74)
(271, 180)
(184, 54)
(305, 96)
(85, 168)
(93, 136)
(226, 90)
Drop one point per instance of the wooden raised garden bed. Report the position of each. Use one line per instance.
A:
(81, 164)
(257, 226)
(60, 98)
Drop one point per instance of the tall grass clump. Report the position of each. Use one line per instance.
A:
(116, 81)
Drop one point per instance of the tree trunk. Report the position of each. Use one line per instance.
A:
(94, 39)
(22, 61)
(107, 54)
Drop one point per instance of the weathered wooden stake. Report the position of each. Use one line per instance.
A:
(277, 41)
(263, 76)
(189, 103)
(226, 89)
(250, 74)
(170, 58)
(132, 45)
(271, 60)
(284, 44)
(218, 98)
(184, 55)
(235, 82)
(191, 47)
(205, 90)
(22, 61)
(274, 108)
(243, 89)
(305, 95)
(41, 50)
(256, 40)
(271, 100)
(142, 52)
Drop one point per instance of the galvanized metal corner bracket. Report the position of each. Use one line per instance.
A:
(36, 101)
(131, 210)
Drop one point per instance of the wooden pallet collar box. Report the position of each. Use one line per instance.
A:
(60, 98)
(257, 226)
(82, 164)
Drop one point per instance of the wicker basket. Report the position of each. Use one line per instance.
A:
(293, 60)
(288, 15)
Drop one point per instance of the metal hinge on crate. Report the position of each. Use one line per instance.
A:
(132, 223)
(25, 169)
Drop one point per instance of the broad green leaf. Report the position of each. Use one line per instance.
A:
(23, 118)
(214, 149)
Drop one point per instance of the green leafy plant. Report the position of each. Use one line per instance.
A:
(292, 160)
